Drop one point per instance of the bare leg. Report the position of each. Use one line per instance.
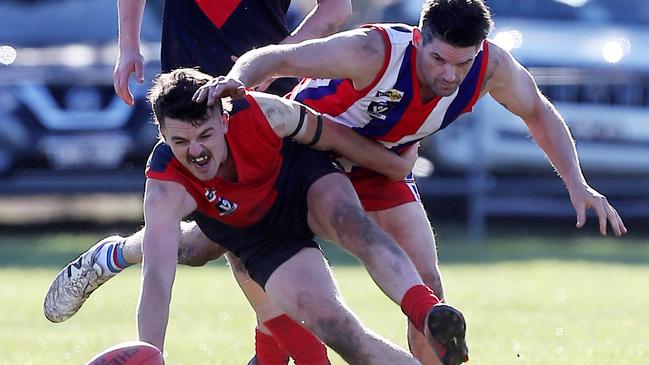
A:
(195, 249)
(259, 301)
(339, 217)
(410, 227)
(304, 288)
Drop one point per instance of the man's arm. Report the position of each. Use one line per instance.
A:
(514, 88)
(289, 118)
(357, 55)
(165, 204)
(130, 59)
(326, 17)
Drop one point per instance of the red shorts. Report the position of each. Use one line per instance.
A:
(377, 192)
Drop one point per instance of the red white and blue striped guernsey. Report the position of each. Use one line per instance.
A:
(390, 110)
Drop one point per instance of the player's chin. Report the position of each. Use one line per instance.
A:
(203, 173)
(446, 91)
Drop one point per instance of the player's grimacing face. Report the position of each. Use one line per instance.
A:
(201, 149)
(441, 67)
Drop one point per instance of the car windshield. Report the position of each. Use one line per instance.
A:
(618, 11)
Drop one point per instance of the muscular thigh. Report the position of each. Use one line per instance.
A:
(303, 285)
(409, 226)
(331, 200)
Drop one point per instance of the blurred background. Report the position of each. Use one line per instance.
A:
(71, 151)
(535, 290)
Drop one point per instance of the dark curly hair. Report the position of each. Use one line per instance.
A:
(461, 23)
(171, 97)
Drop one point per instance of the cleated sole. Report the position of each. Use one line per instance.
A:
(447, 326)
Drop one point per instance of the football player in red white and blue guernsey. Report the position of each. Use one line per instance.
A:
(398, 84)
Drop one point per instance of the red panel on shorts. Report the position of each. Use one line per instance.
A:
(377, 192)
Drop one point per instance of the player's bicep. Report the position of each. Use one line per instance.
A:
(166, 202)
(286, 117)
(344, 55)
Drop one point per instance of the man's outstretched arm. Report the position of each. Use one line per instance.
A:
(357, 55)
(165, 204)
(514, 88)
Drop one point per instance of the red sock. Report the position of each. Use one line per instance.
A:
(301, 345)
(268, 351)
(416, 304)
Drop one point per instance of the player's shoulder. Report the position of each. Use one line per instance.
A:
(160, 157)
(500, 63)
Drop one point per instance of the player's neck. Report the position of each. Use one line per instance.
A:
(227, 169)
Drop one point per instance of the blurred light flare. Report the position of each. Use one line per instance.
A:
(7, 55)
(509, 39)
(574, 3)
(614, 50)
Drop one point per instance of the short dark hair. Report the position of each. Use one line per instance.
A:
(461, 23)
(171, 97)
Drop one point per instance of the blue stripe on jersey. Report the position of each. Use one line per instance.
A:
(465, 93)
(317, 93)
(403, 28)
(160, 157)
(380, 127)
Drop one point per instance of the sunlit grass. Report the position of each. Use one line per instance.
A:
(526, 302)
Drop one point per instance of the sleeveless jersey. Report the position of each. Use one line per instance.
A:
(256, 151)
(390, 110)
(206, 33)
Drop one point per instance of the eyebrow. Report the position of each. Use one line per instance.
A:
(180, 139)
(470, 59)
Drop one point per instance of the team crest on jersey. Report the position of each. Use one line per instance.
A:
(379, 109)
(224, 206)
(393, 95)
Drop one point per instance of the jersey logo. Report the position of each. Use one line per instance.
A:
(224, 206)
(392, 94)
(379, 109)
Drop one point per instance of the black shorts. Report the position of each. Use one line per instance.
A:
(284, 230)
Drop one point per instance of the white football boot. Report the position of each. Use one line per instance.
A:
(75, 282)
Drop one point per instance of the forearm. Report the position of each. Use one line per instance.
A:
(153, 310)
(256, 66)
(130, 13)
(324, 19)
(160, 254)
(552, 135)
(363, 151)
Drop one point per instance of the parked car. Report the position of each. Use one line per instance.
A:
(58, 112)
(591, 60)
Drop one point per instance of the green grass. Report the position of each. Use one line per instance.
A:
(527, 301)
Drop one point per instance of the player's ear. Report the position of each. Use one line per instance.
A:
(225, 121)
(417, 37)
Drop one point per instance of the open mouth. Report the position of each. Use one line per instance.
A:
(201, 161)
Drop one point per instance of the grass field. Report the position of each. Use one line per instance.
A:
(527, 301)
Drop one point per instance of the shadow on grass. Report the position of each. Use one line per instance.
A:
(52, 250)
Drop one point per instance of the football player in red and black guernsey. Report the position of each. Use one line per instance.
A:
(209, 34)
(255, 187)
